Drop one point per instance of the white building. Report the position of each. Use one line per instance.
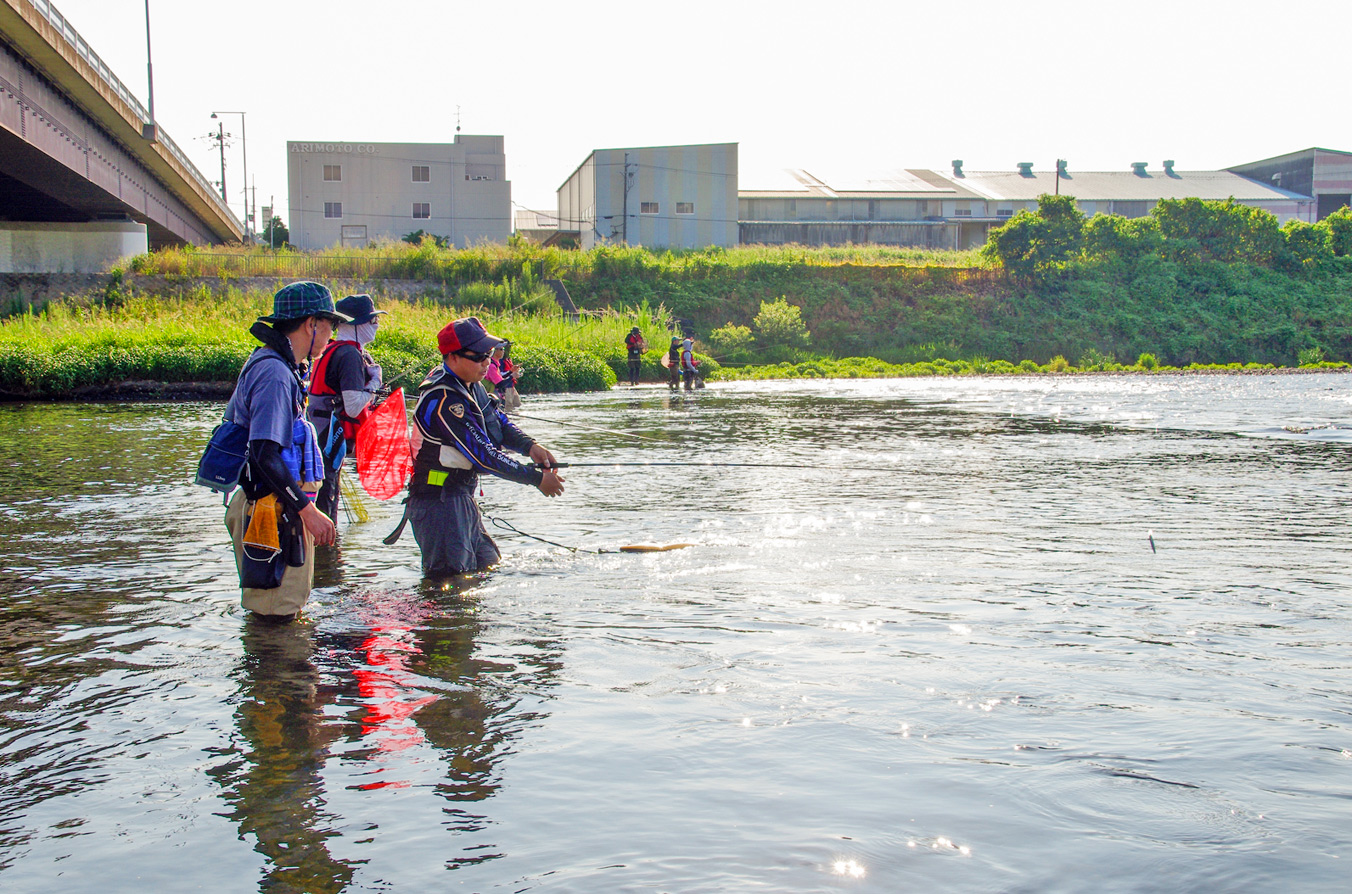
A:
(958, 210)
(349, 193)
(656, 196)
(1129, 193)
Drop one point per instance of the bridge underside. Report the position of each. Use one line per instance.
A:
(57, 164)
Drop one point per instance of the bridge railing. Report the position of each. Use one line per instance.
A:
(86, 52)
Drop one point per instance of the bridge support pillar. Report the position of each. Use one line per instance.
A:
(69, 247)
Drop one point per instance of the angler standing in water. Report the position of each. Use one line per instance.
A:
(343, 385)
(689, 370)
(674, 362)
(452, 445)
(635, 344)
(271, 507)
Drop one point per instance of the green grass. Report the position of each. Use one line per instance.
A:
(204, 337)
(872, 368)
(494, 262)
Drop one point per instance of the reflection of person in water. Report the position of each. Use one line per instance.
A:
(407, 678)
(410, 655)
(274, 782)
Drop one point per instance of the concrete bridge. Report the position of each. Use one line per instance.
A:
(85, 176)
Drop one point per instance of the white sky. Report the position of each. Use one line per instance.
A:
(844, 89)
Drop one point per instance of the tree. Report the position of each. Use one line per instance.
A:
(1195, 230)
(1339, 227)
(781, 323)
(275, 234)
(1106, 235)
(1037, 243)
(1306, 242)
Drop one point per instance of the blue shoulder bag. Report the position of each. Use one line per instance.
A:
(223, 460)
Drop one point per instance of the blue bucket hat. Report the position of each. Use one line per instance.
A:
(360, 308)
(303, 299)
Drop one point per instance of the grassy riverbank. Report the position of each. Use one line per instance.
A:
(1150, 298)
(1159, 296)
(203, 337)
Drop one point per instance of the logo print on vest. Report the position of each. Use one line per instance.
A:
(458, 410)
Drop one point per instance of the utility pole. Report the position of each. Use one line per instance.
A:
(219, 137)
(628, 178)
(244, 139)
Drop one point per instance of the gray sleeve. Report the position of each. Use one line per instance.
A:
(272, 405)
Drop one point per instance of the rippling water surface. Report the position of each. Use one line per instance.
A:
(982, 635)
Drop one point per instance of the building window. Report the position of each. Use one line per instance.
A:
(962, 212)
(647, 207)
(333, 209)
(333, 173)
(685, 207)
(422, 174)
(422, 210)
(1004, 212)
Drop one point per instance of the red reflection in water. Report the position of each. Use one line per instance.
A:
(391, 695)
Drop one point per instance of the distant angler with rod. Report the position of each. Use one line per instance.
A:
(456, 439)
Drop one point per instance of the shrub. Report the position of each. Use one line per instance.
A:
(731, 339)
(1095, 359)
(1147, 362)
(780, 323)
(1311, 356)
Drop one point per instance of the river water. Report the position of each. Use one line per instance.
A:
(1012, 634)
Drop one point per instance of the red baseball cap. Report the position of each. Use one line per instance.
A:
(466, 335)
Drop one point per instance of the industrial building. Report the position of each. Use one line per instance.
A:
(656, 196)
(958, 209)
(351, 193)
(1325, 175)
(911, 207)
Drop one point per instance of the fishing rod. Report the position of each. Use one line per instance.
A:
(720, 465)
(609, 431)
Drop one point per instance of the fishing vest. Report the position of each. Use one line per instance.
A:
(435, 463)
(329, 402)
(301, 456)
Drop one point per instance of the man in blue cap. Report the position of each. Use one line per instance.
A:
(272, 505)
(343, 386)
(453, 443)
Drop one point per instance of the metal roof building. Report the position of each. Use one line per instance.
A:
(958, 209)
(906, 207)
(1323, 174)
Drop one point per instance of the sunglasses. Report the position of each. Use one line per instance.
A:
(474, 356)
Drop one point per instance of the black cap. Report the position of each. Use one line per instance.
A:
(360, 308)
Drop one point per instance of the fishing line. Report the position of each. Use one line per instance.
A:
(508, 526)
(721, 465)
(633, 548)
(609, 431)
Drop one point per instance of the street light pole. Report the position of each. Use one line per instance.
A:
(244, 142)
(149, 130)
